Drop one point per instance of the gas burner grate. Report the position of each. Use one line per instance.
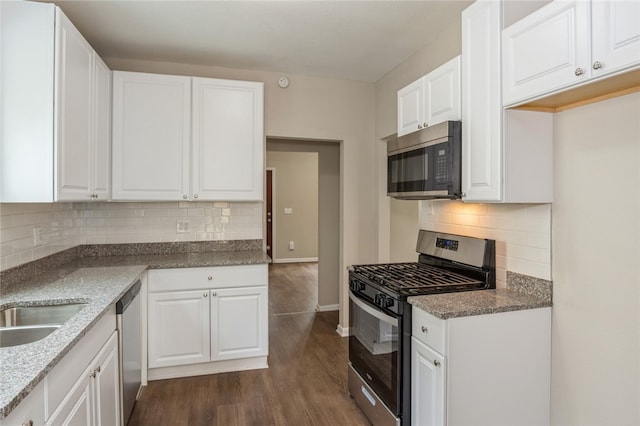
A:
(413, 276)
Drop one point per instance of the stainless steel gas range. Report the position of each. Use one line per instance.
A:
(380, 316)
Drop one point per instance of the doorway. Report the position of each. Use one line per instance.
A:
(328, 214)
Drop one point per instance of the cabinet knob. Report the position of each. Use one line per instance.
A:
(424, 329)
(210, 277)
(424, 125)
(214, 294)
(184, 197)
(597, 65)
(205, 294)
(28, 423)
(195, 195)
(419, 126)
(579, 71)
(436, 363)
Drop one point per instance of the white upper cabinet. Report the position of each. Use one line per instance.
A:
(411, 107)
(431, 99)
(442, 93)
(151, 136)
(102, 130)
(184, 138)
(567, 43)
(615, 34)
(228, 139)
(53, 106)
(507, 156)
(481, 105)
(74, 88)
(546, 50)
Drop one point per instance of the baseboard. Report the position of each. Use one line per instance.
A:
(327, 308)
(296, 260)
(208, 368)
(342, 331)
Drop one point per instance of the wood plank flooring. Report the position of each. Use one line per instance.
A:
(305, 384)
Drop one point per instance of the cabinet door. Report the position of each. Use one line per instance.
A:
(228, 140)
(615, 34)
(151, 136)
(442, 93)
(73, 111)
(481, 105)
(178, 328)
(101, 130)
(428, 387)
(411, 107)
(76, 408)
(239, 323)
(107, 385)
(546, 51)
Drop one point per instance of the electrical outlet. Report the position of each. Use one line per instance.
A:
(182, 226)
(288, 210)
(292, 245)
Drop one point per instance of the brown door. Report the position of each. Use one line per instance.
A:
(269, 210)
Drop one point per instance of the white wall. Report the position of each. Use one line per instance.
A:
(296, 188)
(596, 258)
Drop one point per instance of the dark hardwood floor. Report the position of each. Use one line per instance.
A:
(305, 384)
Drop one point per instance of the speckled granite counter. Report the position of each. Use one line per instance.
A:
(469, 303)
(100, 281)
(23, 367)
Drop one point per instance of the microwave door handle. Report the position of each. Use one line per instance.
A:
(373, 311)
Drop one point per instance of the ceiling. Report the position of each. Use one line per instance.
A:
(355, 40)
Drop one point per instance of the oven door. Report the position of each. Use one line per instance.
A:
(374, 349)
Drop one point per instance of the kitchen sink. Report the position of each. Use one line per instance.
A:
(38, 315)
(14, 336)
(26, 324)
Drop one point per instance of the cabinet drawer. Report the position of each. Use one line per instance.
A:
(429, 330)
(207, 278)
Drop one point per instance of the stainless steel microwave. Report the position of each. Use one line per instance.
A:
(426, 164)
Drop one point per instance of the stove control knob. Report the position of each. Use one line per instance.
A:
(361, 286)
(388, 302)
(382, 300)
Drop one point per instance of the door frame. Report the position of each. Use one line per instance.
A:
(273, 210)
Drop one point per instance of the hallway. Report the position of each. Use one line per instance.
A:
(305, 384)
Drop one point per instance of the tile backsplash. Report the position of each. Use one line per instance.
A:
(522, 232)
(64, 225)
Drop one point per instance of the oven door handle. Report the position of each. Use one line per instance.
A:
(373, 311)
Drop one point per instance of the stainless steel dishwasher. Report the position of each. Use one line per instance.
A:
(130, 346)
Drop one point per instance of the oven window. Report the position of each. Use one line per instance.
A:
(373, 352)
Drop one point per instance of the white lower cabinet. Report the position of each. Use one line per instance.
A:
(238, 329)
(30, 411)
(206, 320)
(178, 328)
(428, 388)
(490, 369)
(94, 399)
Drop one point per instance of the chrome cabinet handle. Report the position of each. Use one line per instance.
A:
(419, 126)
(424, 329)
(210, 277)
(597, 65)
(184, 197)
(424, 126)
(579, 71)
(205, 294)
(436, 363)
(214, 294)
(28, 423)
(195, 195)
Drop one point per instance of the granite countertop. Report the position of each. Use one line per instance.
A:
(100, 282)
(481, 302)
